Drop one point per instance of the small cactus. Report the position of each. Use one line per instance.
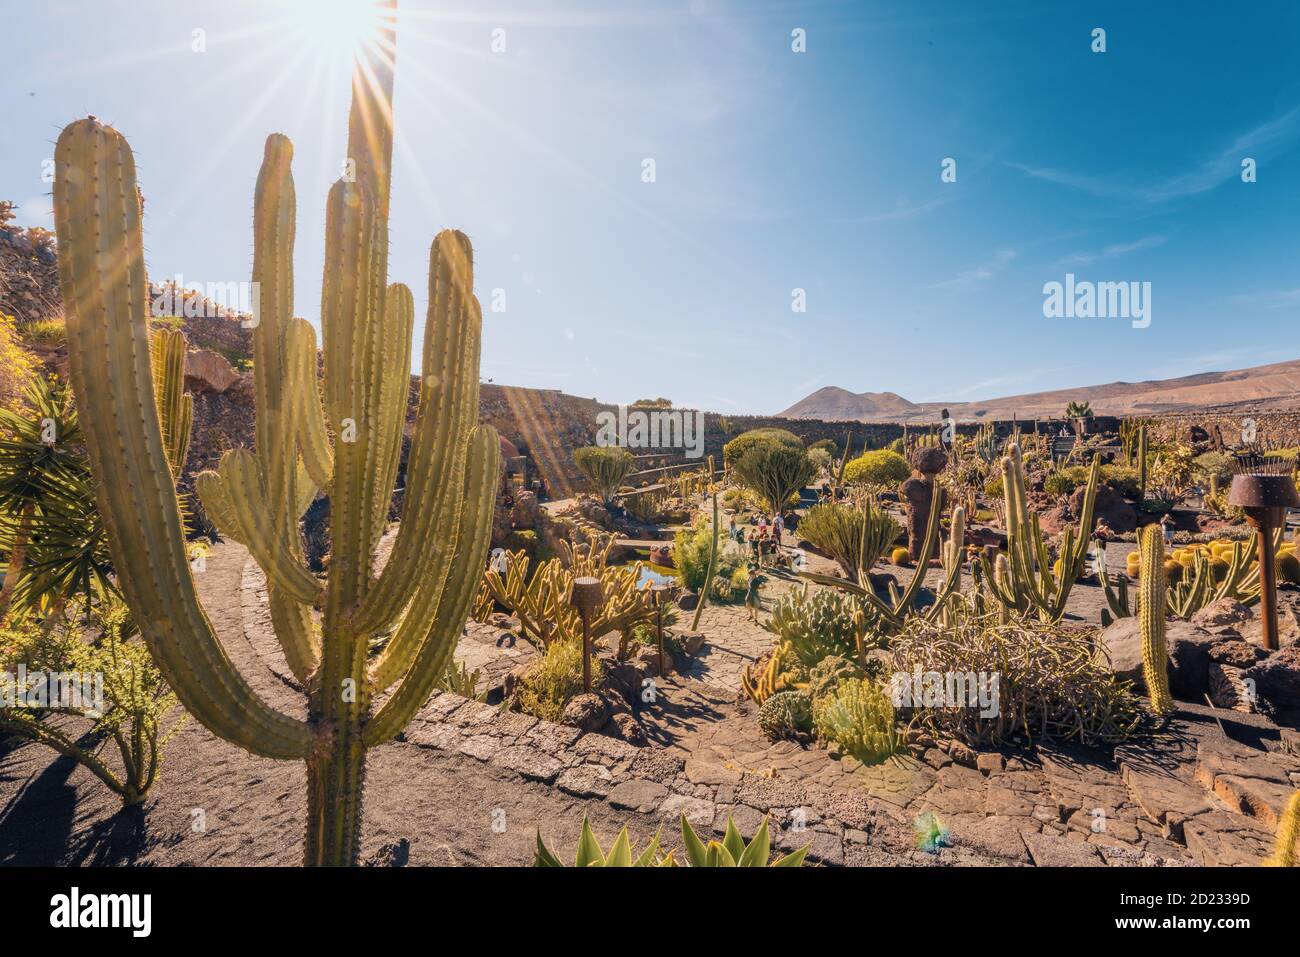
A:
(785, 715)
(1151, 614)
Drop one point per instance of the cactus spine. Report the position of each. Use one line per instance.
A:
(713, 557)
(1151, 620)
(425, 590)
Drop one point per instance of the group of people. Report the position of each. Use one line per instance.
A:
(763, 539)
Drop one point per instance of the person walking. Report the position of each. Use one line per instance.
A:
(752, 600)
(1167, 526)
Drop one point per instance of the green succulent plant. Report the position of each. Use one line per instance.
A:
(785, 714)
(342, 436)
(621, 853)
(732, 851)
(859, 717)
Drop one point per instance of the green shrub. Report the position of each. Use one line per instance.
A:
(849, 533)
(737, 447)
(881, 467)
(554, 679)
(605, 466)
(825, 622)
(827, 674)
(46, 331)
(858, 717)
(122, 742)
(691, 556)
(1217, 465)
(829, 445)
(774, 473)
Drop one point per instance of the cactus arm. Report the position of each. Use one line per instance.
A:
(217, 505)
(448, 621)
(274, 212)
(175, 407)
(307, 414)
(294, 629)
(266, 539)
(399, 320)
(395, 385)
(447, 411)
(351, 307)
(402, 648)
(101, 266)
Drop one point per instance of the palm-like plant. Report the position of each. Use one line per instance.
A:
(50, 528)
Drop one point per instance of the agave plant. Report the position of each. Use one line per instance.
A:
(589, 853)
(731, 851)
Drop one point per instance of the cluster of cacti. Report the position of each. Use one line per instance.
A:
(605, 466)
(542, 602)
(825, 676)
(1030, 679)
(785, 714)
(888, 615)
(1035, 583)
(1199, 575)
(855, 534)
(425, 590)
(859, 717)
(825, 622)
(780, 672)
(1151, 621)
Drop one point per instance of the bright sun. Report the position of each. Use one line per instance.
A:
(342, 26)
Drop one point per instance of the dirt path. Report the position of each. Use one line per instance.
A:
(216, 804)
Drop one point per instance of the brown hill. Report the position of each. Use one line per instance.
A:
(1262, 388)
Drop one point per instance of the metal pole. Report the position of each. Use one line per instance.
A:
(1262, 520)
(586, 652)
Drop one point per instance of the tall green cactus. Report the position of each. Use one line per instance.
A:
(1151, 619)
(1035, 585)
(347, 446)
(1142, 462)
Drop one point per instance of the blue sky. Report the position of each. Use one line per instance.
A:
(775, 170)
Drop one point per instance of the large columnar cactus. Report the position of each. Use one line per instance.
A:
(347, 447)
(1035, 584)
(1151, 620)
